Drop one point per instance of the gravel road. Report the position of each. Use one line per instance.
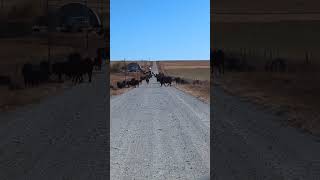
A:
(250, 143)
(159, 133)
(62, 138)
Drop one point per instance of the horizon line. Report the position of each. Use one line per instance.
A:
(160, 60)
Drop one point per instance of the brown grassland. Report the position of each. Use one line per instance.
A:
(294, 93)
(190, 70)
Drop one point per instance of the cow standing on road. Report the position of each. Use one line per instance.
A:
(165, 80)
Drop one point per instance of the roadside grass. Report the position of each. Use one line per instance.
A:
(117, 74)
(295, 94)
(190, 71)
(10, 100)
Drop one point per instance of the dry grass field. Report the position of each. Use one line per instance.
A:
(295, 93)
(190, 70)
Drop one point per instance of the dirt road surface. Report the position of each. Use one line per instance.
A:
(159, 133)
(250, 143)
(64, 137)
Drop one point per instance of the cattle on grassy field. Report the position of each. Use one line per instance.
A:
(177, 80)
(62, 69)
(121, 84)
(133, 82)
(75, 67)
(35, 74)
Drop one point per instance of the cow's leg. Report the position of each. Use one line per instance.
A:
(60, 76)
(222, 66)
(90, 76)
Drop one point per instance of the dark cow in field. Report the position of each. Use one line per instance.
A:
(61, 68)
(35, 74)
(75, 68)
(121, 85)
(134, 82)
(177, 80)
(217, 61)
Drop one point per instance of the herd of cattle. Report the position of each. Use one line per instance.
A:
(219, 61)
(74, 68)
(161, 78)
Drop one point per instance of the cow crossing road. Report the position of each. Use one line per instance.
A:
(159, 133)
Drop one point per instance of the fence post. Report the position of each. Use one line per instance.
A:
(307, 57)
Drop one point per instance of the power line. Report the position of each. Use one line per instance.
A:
(290, 12)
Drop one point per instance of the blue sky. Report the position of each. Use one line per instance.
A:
(160, 29)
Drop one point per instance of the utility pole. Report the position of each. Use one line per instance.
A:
(48, 31)
(87, 21)
(125, 71)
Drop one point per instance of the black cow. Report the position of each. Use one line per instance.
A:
(165, 80)
(134, 82)
(84, 66)
(217, 61)
(121, 85)
(76, 67)
(177, 80)
(35, 74)
(61, 68)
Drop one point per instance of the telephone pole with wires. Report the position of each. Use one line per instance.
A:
(48, 32)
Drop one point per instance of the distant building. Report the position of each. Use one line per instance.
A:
(77, 16)
(134, 67)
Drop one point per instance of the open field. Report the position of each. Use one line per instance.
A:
(295, 94)
(190, 70)
(290, 38)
